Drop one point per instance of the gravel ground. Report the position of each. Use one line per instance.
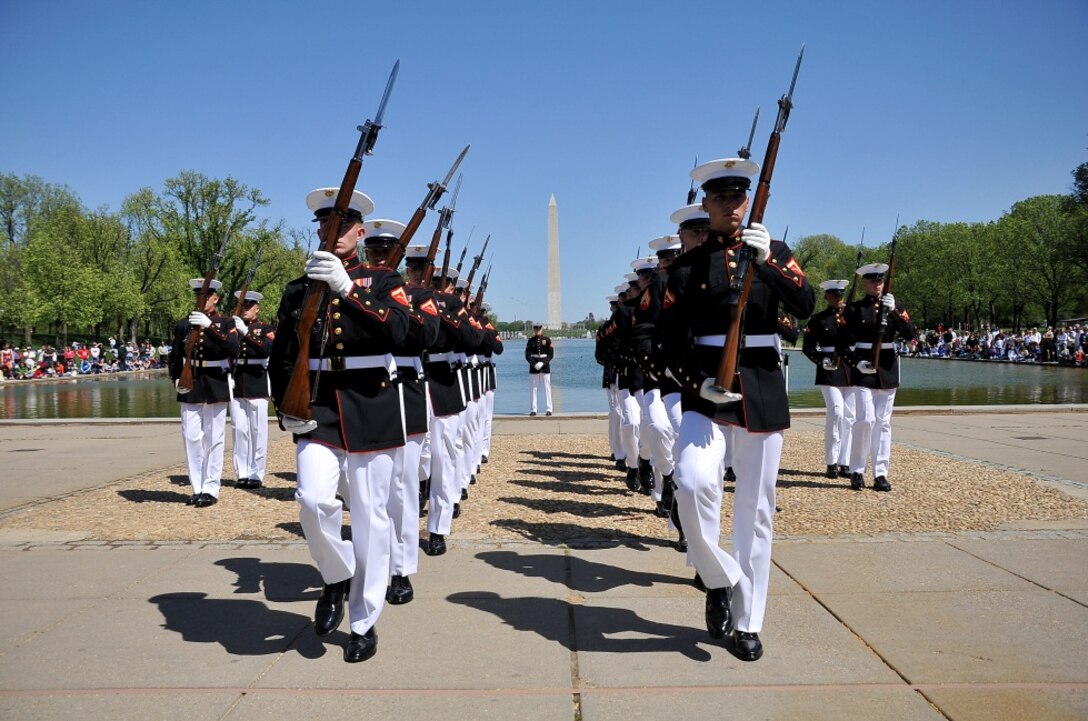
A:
(563, 489)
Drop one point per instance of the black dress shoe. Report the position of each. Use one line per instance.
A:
(361, 647)
(241, 483)
(719, 617)
(456, 510)
(254, 482)
(191, 501)
(436, 545)
(882, 484)
(730, 476)
(472, 478)
(483, 459)
(832, 472)
(844, 471)
(632, 479)
(532, 413)
(698, 583)
(399, 591)
(661, 511)
(330, 607)
(857, 481)
(747, 646)
(548, 413)
(464, 494)
(682, 543)
(621, 464)
(204, 500)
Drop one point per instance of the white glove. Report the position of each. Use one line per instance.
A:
(829, 364)
(866, 367)
(756, 237)
(199, 319)
(537, 366)
(297, 425)
(889, 301)
(330, 269)
(241, 325)
(709, 392)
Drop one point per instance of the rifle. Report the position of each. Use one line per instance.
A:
(245, 284)
(434, 192)
(881, 314)
(185, 382)
(850, 296)
(444, 218)
(476, 263)
(479, 302)
(692, 192)
(298, 396)
(728, 378)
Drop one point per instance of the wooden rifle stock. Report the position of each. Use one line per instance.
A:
(445, 264)
(728, 378)
(298, 396)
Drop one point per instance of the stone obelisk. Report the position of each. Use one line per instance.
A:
(555, 308)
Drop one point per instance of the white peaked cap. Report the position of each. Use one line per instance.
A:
(834, 284)
(689, 212)
(871, 268)
(724, 168)
(250, 295)
(198, 283)
(621, 288)
(416, 252)
(665, 242)
(612, 298)
(383, 226)
(647, 263)
(631, 277)
(324, 198)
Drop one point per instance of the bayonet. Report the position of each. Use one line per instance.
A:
(692, 192)
(746, 151)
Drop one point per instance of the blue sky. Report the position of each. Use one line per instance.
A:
(945, 111)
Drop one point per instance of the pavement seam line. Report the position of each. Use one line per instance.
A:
(575, 674)
(862, 640)
(1017, 575)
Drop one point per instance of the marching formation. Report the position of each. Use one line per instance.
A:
(386, 382)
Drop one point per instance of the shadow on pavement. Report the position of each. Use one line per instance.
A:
(563, 534)
(597, 627)
(141, 496)
(583, 576)
(279, 581)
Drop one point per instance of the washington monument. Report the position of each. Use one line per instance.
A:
(555, 308)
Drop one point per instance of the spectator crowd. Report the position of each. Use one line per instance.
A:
(47, 361)
(1064, 345)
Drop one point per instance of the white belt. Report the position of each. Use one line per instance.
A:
(769, 340)
(211, 364)
(545, 355)
(354, 363)
(473, 361)
(409, 362)
(462, 358)
(262, 362)
(827, 349)
(451, 358)
(863, 346)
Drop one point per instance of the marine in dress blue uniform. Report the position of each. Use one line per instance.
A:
(358, 421)
(204, 408)
(695, 317)
(249, 405)
(820, 346)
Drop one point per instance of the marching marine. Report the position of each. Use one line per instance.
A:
(832, 377)
(249, 404)
(204, 407)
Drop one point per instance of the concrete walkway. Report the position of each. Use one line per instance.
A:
(968, 626)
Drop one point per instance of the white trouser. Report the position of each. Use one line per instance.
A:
(489, 413)
(630, 422)
(540, 380)
(249, 430)
(404, 510)
(660, 438)
(872, 434)
(699, 464)
(365, 558)
(204, 429)
(614, 442)
(838, 424)
(466, 457)
(445, 488)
